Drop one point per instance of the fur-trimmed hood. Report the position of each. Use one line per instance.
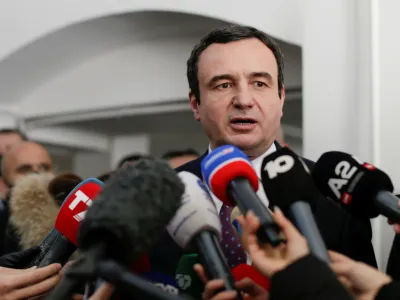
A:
(33, 210)
(35, 202)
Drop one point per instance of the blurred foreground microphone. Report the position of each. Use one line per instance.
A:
(187, 279)
(197, 224)
(166, 283)
(61, 242)
(124, 222)
(245, 271)
(229, 174)
(359, 187)
(289, 186)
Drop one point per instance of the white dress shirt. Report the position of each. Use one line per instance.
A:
(260, 193)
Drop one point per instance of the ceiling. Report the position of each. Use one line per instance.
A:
(28, 68)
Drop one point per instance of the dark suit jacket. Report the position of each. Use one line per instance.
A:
(340, 231)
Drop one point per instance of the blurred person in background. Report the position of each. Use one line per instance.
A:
(130, 159)
(8, 138)
(177, 158)
(18, 161)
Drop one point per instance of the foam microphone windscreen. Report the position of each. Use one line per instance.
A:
(197, 212)
(133, 210)
(245, 271)
(223, 165)
(292, 170)
(75, 206)
(350, 181)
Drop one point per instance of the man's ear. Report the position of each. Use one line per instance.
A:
(194, 105)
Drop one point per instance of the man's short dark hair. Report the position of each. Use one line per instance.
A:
(226, 35)
(131, 158)
(178, 153)
(16, 131)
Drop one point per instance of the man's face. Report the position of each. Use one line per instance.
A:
(32, 160)
(7, 140)
(239, 101)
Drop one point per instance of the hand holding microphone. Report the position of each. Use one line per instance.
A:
(249, 288)
(361, 280)
(270, 260)
(27, 283)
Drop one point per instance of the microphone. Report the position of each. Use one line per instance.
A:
(61, 242)
(229, 174)
(288, 185)
(187, 279)
(359, 187)
(197, 223)
(126, 219)
(245, 271)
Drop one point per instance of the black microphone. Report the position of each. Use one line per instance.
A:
(359, 187)
(126, 220)
(288, 185)
(229, 174)
(197, 226)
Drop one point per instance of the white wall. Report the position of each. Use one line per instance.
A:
(385, 105)
(90, 164)
(122, 145)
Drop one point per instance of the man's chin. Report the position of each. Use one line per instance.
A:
(244, 143)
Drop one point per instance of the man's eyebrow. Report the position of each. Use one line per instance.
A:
(265, 75)
(219, 77)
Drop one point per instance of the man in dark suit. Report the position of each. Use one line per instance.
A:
(237, 92)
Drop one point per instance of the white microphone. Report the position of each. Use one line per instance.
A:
(197, 223)
(196, 214)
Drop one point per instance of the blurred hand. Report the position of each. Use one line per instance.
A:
(247, 287)
(362, 281)
(22, 284)
(269, 260)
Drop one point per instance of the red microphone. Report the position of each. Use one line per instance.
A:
(61, 242)
(230, 175)
(245, 271)
(74, 208)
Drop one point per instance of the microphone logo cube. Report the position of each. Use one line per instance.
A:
(282, 164)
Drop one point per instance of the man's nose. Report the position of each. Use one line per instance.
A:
(243, 98)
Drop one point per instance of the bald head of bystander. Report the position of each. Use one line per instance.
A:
(24, 158)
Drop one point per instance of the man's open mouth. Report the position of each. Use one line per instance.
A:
(243, 121)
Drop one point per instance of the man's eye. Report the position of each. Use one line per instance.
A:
(224, 85)
(259, 84)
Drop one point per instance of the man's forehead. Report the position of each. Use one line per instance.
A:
(248, 55)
